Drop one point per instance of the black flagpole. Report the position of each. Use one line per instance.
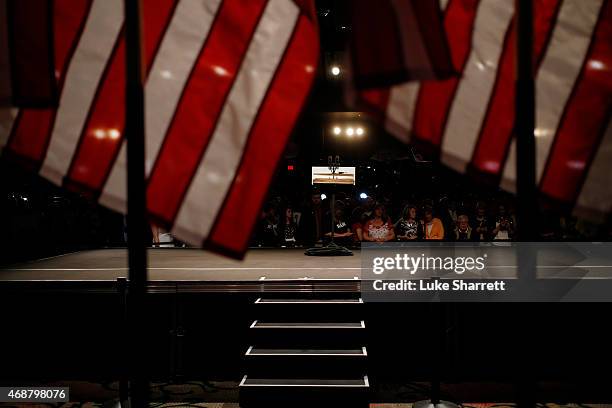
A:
(525, 124)
(136, 203)
(526, 189)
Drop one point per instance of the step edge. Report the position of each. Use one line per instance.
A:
(366, 384)
(364, 353)
(260, 301)
(307, 325)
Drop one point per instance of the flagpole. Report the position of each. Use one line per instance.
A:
(526, 189)
(525, 124)
(136, 203)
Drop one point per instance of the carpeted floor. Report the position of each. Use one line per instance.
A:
(233, 405)
(225, 393)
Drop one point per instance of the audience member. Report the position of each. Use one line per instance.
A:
(504, 225)
(341, 228)
(408, 228)
(379, 228)
(311, 224)
(288, 228)
(433, 228)
(358, 219)
(481, 224)
(268, 227)
(463, 230)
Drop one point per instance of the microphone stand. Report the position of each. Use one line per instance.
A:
(331, 249)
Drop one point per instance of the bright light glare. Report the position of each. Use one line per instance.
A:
(114, 134)
(323, 196)
(359, 131)
(337, 130)
(335, 70)
(350, 131)
(363, 196)
(595, 64)
(99, 133)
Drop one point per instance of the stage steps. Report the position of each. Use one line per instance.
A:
(308, 352)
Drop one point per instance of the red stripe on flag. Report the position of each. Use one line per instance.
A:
(430, 21)
(496, 131)
(32, 128)
(378, 57)
(584, 119)
(435, 98)
(201, 104)
(269, 134)
(30, 25)
(103, 132)
(375, 102)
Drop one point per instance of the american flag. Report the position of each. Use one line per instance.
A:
(469, 120)
(398, 40)
(226, 80)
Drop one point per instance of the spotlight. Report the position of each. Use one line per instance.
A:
(323, 196)
(363, 196)
(337, 130)
(359, 131)
(335, 70)
(350, 131)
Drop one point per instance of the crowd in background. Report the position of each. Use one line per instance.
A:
(359, 219)
(39, 219)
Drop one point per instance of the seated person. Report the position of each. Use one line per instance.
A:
(408, 227)
(379, 228)
(504, 226)
(288, 234)
(463, 231)
(481, 225)
(358, 221)
(342, 230)
(433, 228)
(267, 233)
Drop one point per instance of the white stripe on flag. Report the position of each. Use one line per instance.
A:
(470, 103)
(7, 118)
(402, 103)
(90, 59)
(216, 172)
(400, 110)
(595, 199)
(177, 54)
(556, 77)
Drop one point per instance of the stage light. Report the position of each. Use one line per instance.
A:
(359, 131)
(350, 132)
(337, 130)
(335, 70)
(363, 196)
(323, 196)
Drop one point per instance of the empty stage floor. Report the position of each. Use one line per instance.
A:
(181, 264)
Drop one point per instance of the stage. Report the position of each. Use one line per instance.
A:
(192, 270)
(65, 315)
